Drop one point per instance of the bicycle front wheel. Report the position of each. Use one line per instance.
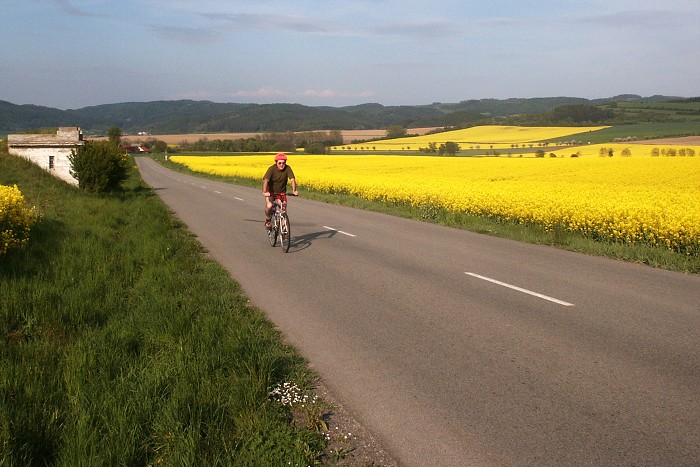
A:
(285, 232)
(273, 231)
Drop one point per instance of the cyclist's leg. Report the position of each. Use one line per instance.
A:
(268, 210)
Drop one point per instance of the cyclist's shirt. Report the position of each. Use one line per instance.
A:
(278, 178)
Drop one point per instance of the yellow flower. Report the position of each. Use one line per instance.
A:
(654, 200)
(15, 219)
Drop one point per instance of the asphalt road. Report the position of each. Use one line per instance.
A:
(455, 348)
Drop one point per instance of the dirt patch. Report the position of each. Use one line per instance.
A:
(187, 138)
(349, 443)
(682, 141)
(365, 135)
(348, 136)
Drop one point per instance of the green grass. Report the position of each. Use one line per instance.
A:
(641, 131)
(639, 253)
(121, 344)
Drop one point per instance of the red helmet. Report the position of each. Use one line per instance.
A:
(280, 157)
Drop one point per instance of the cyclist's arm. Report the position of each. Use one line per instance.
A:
(294, 186)
(265, 190)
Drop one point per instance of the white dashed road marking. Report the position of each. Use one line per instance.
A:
(520, 289)
(339, 231)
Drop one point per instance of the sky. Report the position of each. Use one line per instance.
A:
(70, 54)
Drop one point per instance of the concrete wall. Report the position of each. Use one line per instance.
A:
(50, 152)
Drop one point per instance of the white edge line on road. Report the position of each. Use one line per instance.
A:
(520, 289)
(239, 199)
(339, 231)
(217, 192)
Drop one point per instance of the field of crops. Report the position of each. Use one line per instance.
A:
(483, 137)
(652, 200)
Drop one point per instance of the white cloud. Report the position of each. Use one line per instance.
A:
(346, 51)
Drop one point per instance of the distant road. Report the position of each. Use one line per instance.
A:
(456, 348)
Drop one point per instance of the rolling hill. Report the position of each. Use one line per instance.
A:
(188, 116)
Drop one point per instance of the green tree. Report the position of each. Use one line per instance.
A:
(158, 146)
(98, 166)
(115, 135)
(315, 148)
(579, 113)
(395, 131)
(432, 148)
(449, 147)
(335, 138)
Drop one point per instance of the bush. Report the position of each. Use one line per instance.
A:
(15, 219)
(99, 166)
(157, 146)
(450, 148)
(315, 148)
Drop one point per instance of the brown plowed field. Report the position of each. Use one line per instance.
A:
(354, 135)
(348, 136)
(683, 141)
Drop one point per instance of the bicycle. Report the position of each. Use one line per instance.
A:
(280, 228)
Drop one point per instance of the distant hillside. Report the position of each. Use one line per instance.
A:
(187, 116)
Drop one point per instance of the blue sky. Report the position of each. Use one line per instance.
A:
(76, 53)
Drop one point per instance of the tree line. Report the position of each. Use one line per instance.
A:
(310, 142)
(187, 116)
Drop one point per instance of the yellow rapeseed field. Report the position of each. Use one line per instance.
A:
(633, 149)
(16, 219)
(483, 137)
(638, 199)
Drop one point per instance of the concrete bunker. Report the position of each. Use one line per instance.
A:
(49, 151)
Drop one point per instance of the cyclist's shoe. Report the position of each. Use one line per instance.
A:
(268, 224)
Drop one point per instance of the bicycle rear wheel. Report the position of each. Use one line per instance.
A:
(285, 232)
(272, 232)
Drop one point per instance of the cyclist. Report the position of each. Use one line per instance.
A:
(275, 181)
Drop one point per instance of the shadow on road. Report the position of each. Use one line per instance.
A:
(302, 242)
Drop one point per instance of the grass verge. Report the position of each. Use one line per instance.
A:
(121, 344)
(656, 257)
